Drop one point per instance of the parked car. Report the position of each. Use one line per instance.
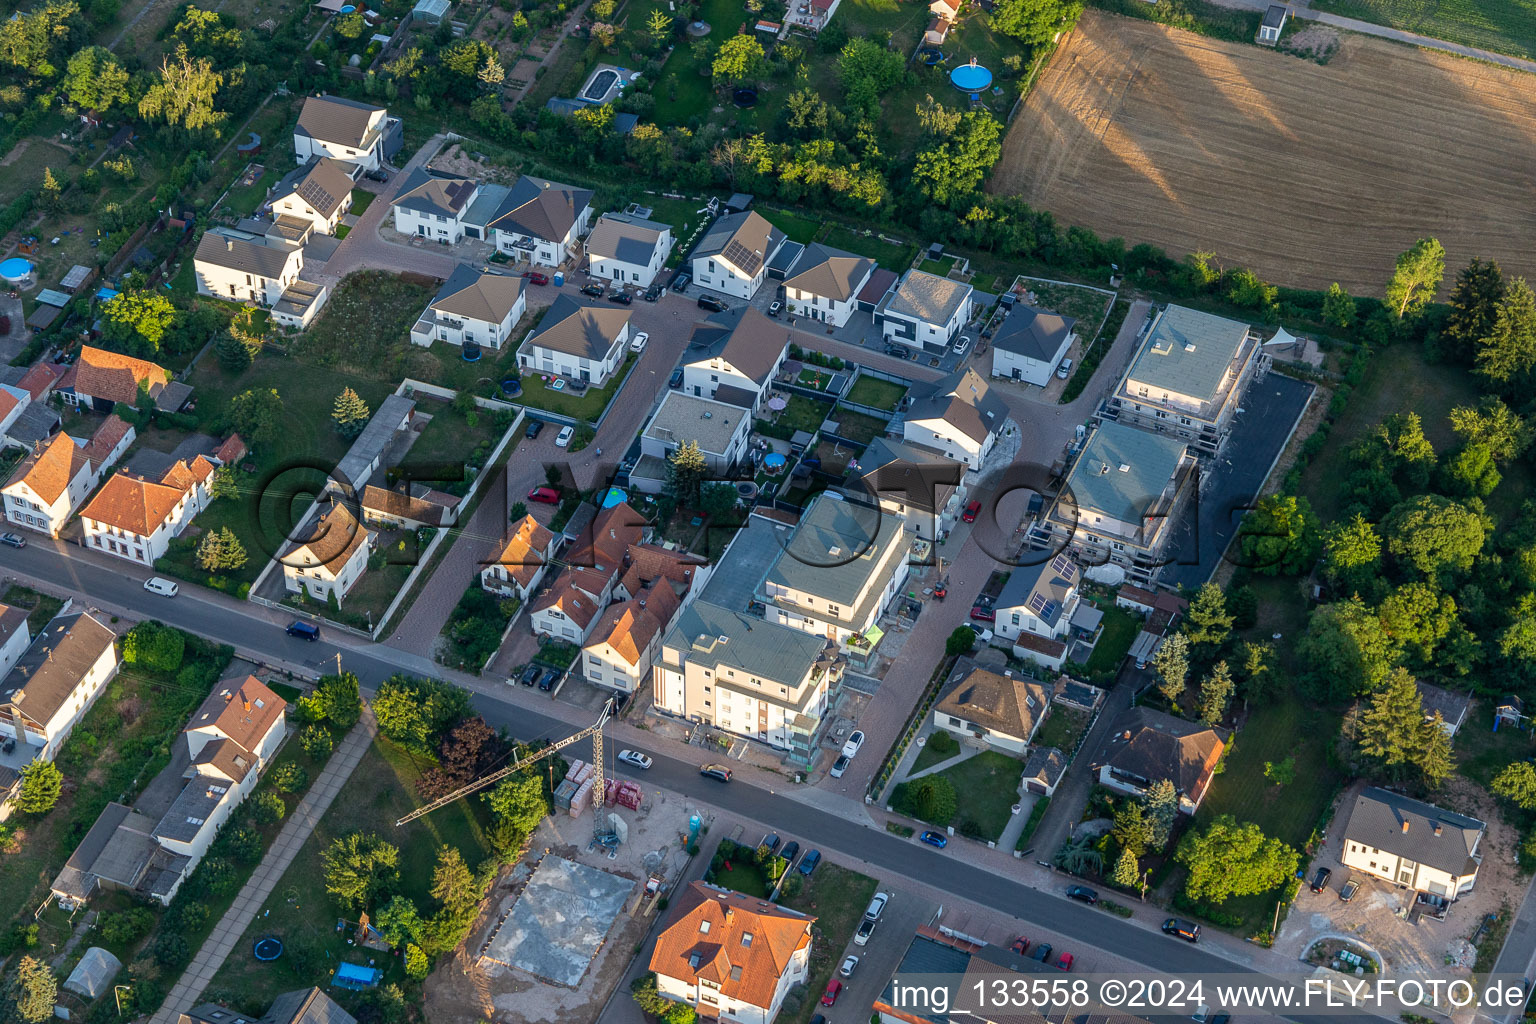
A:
(791, 851)
(1019, 945)
(963, 343)
(1065, 369)
(971, 512)
(839, 766)
(544, 495)
(718, 772)
(638, 344)
(981, 613)
(772, 841)
(1320, 879)
(1041, 953)
(1064, 962)
(983, 634)
(774, 309)
(809, 861)
(634, 757)
(866, 929)
(1082, 894)
(551, 677)
(534, 429)
(622, 298)
(876, 906)
(681, 282)
(676, 380)
(304, 631)
(933, 838)
(12, 540)
(1348, 889)
(829, 997)
(713, 304)
(1186, 930)
(899, 351)
(530, 675)
(818, 1018)
(564, 437)
(535, 277)
(850, 963)
(594, 290)
(8, 746)
(652, 293)
(162, 586)
(851, 748)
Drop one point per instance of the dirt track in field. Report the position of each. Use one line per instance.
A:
(1306, 173)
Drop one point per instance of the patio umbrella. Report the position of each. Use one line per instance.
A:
(777, 403)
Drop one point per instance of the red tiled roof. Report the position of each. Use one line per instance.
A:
(50, 467)
(114, 376)
(231, 451)
(741, 943)
(42, 378)
(522, 553)
(107, 437)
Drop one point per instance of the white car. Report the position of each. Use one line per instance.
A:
(877, 906)
(564, 437)
(849, 963)
(638, 345)
(1065, 369)
(963, 344)
(159, 585)
(854, 743)
(635, 758)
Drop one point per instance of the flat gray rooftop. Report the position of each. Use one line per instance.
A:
(752, 551)
(560, 921)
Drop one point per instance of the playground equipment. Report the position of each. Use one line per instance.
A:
(268, 948)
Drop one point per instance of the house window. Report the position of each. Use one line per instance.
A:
(746, 938)
(703, 927)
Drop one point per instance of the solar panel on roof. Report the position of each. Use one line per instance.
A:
(743, 257)
(1037, 603)
(1061, 565)
(1050, 610)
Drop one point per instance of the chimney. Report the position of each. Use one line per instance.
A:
(229, 245)
(1438, 829)
(1405, 824)
(1126, 735)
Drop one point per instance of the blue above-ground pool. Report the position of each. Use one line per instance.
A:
(15, 269)
(971, 77)
(773, 462)
(614, 496)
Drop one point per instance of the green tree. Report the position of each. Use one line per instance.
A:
(1346, 652)
(1351, 553)
(137, 320)
(1281, 773)
(221, 551)
(937, 120)
(739, 59)
(350, 26)
(1035, 22)
(1474, 303)
(1419, 618)
(961, 641)
(1506, 355)
(453, 884)
(1434, 534)
(1132, 830)
(519, 801)
(1390, 734)
(951, 171)
(868, 71)
(41, 785)
(52, 194)
(931, 798)
(716, 501)
(686, 469)
(232, 352)
(416, 711)
(223, 484)
(35, 42)
(1171, 663)
(1255, 672)
(399, 922)
(257, 415)
(316, 742)
(1419, 272)
(335, 699)
(1280, 535)
(1127, 870)
(289, 777)
(660, 26)
(267, 808)
(359, 867)
(1338, 306)
(1162, 812)
(1216, 694)
(1230, 858)
(350, 413)
(1492, 424)
(1208, 622)
(34, 991)
(1517, 784)
(185, 95)
(1436, 762)
(416, 963)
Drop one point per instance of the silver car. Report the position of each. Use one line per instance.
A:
(634, 757)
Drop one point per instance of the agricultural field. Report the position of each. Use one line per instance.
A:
(1161, 136)
(1506, 26)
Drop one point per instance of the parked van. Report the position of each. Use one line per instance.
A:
(304, 631)
(160, 585)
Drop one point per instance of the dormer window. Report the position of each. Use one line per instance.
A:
(746, 938)
(703, 927)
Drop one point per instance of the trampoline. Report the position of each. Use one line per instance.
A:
(471, 353)
(268, 948)
(15, 270)
(971, 78)
(511, 387)
(744, 97)
(932, 57)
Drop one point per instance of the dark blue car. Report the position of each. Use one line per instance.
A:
(809, 861)
(933, 838)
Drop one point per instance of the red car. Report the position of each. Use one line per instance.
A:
(1065, 963)
(547, 495)
(981, 613)
(534, 277)
(1020, 944)
(829, 997)
(971, 512)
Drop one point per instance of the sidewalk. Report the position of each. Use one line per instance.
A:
(261, 883)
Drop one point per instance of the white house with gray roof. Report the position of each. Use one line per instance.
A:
(925, 311)
(628, 250)
(921, 486)
(473, 307)
(1188, 378)
(1121, 497)
(577, 340)
(957, 416)
(719, 429)
(1030, 343)
(839, 572)
(734, 253)
(264, 269)
(741, 350)
(824, 283)
(357, 133)
(539, 221)
(1039, 599)
(1413, 844)
(318, 193)
(434, 206)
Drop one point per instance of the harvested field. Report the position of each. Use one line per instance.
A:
(1306, 173)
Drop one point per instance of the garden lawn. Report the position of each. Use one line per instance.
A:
(838, 898)
(802, 414)
(987, 786)
(876, 393)
(381, 790)
(1482, 753)
(1063, 728)
(858, 426)
(449, 437)
(744, 877)
(897, 258)
(368, 318)
(537, 395)
(1085, 305)
(40, 607)
(361, 198)
(796, 226)
(1506, 26)
(1120, 629)
(928, 756)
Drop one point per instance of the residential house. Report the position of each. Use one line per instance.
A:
(740, 352)
(522, 560)
(1272, 25)
(318, 196)
(948, 10)
(720, 429)
(408, 506)
(1121, 497)
(628, 250)
(301, 1006)
(839, 572)
(1188, 377)
(733, 255)
(1044, 769)
(1039, 598)
(1452, 708)
(568, 608)
(473, 307)
(347, 130)
(924, 488)
(1147, 746)
(334, 557)
(925, 311)
(1412, 844)
(100, 379)
(50, 483)
(539, 221)
(1030, 344)
(13, 402)
(824, 284)
(434, 206)
(135, 517)
(266, 270)
(811, 16)
(577, 340)
(1166, 609)
(15, 636)
(1000, 710)
(731, 956)
(655, 584)
(55, 682)
(957, 416)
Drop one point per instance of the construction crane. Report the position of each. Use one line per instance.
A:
(594, 730)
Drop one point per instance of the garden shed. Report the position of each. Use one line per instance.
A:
(93, 975)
